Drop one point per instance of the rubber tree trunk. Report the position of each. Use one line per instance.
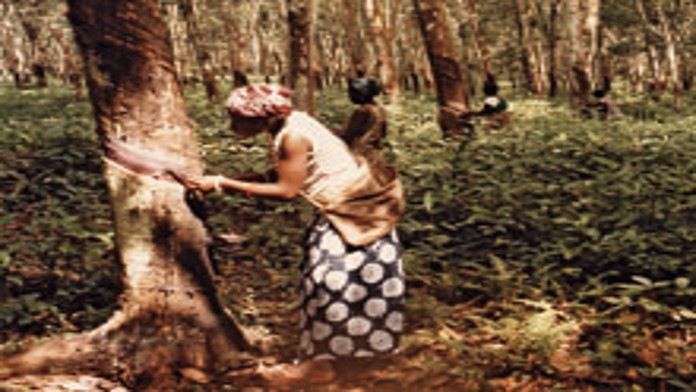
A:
(665, 31)
(300, 70)
(203, 57)
(528, 58)
(484, 53)
(580, 63)
(170, 316)
(381, 15)
(351, 20)
(552, 38)
(235, 47)
(449, 84)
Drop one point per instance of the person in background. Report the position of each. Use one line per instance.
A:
(494, 109)
(352, 282)
(366, 128)
(605, 106)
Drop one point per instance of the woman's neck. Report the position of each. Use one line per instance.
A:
(276, 125)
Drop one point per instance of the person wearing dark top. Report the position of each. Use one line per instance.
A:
(494, 108)
(604, 105)
(366, 127)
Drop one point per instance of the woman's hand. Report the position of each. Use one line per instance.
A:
(203, 184)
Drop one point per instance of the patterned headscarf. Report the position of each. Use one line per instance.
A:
(260, 100)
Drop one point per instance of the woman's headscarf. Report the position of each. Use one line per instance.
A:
(260, 100)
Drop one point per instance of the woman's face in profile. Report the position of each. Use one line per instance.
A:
(247, 126)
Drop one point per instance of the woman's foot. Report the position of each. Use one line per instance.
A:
(308, 372)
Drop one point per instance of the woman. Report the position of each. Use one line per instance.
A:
(366, 127)
(494, 107)
(352, 287)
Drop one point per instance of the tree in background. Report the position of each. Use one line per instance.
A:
(670, 26)
(524, 16)
(582, 25)
(170, 315)
(354, 39)
(483, 51)
(382, 16)
(191, 16)
(300, 57)
(450, 86)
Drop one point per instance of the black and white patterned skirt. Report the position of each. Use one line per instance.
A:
(351, 298)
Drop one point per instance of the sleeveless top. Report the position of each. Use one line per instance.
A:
(331, 166)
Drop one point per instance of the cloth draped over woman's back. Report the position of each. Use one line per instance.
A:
(343, 187)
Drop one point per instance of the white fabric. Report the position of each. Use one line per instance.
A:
(331, 165)
(492, 101)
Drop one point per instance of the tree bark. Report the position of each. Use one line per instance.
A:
(581, 76)
(238, 41)
(551, 33)
(528, 57)
(14, 49)
(301, 67)
(449, 84)
(351, 20)
(484, 53)
(381, 15)
(203, 57)
(170, 315)
(665, 31)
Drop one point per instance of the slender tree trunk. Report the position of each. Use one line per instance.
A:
(351, 20)
(672, 59)
(484, 53)
(71, 66)
(528, 57)
(203, 57)
(170, 316)
(674, 72)
(14, 49)
(301, 69)
(32, 26)
(381, 18)
(236, 43)
(450, 86)
(580, 78)
(552, 37)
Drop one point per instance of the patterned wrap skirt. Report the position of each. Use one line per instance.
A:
(351, 298)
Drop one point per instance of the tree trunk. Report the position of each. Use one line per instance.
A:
(301, 69)
(449, 84)
(351, 20)
(528, 57)
(381, 18)
(30, 20)
(14, 49)
(484, 53)
(237, 43)
(581, 77)
(203, 57)
(170, 315)
(672, 58)
(552, 39)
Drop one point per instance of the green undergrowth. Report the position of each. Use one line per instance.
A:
(557, 254)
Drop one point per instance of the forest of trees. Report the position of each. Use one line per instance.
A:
(542, 47)
(548, 256)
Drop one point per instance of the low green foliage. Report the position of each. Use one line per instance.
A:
(557, 254)
(55, 241)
